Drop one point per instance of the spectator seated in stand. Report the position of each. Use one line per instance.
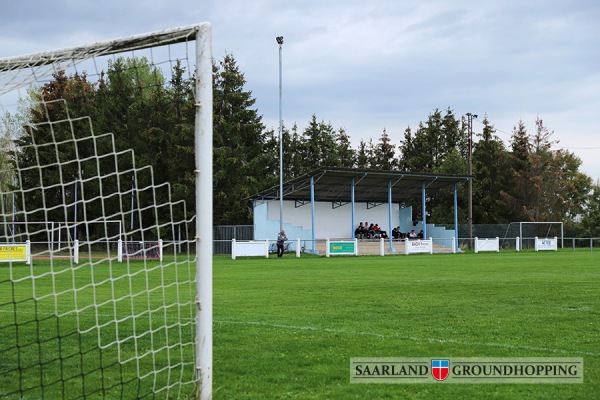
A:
(412, 235)
(360, 231)
(380, 232)
(366, 230)
(395, 233)
(376, 232)
(399, 234)
(420, 235)
(371, 231)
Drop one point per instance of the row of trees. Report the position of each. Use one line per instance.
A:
(527, 181)
(154, 116)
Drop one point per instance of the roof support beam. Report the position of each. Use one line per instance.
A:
(338, 204)
(372, 204)
(300, 203)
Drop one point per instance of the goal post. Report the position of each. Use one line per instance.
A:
(54, 239)
(527, 232)
(101, 135)
(204, 211)
(140, 250)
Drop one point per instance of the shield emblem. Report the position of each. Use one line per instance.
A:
(440, 369)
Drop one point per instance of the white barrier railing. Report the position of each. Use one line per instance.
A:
(353, 247)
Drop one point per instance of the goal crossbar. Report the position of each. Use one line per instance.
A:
(103, 48)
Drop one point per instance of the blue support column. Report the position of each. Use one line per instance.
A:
(456, 214)
(312, 211)
(353, 210)
(389, 232)
(424, 211)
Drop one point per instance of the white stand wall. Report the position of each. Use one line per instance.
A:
(333, 223)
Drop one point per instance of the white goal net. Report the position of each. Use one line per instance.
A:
(527, 232)
(100, 145)
(142, 250)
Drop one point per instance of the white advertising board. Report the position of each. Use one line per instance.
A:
(249, 248)
(487, 245)
(418, 246)
(546, 244)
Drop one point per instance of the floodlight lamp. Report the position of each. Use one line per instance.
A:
(279, 40)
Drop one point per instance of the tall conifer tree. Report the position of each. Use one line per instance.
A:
(240, 160)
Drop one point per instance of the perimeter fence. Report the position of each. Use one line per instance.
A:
(223, 234)
(507, 234)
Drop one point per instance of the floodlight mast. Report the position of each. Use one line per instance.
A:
(280, 43)
(470, 173)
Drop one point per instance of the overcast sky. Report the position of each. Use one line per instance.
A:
(369, 65)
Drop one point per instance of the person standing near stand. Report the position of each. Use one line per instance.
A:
(281, 238)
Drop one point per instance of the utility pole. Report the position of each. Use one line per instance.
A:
(470, 212)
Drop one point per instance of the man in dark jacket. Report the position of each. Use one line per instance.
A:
(281, 238)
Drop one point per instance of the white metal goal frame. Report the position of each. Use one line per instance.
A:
(23, 71)
(534, 223)
(55, 231)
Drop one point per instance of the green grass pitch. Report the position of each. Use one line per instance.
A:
(287, 328)
(126, 331)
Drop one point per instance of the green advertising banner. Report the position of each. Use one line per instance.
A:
(341, 247)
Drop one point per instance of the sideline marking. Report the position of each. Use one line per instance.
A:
(413, 338)
(360, 333)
